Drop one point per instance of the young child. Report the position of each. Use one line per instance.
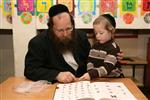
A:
(102, 60)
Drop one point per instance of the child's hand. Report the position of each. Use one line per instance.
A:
(120, 55)
(86, 77)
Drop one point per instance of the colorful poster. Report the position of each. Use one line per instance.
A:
(87, 6)
(129, 6)
(43, 5)
(42, 8)
(86, 9)
(108, 6)
(25, 6)
(68, 3)
(8, 9)
(129, 10)
(145, 10)
(145, 6)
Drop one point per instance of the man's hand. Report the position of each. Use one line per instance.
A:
(86, 77)
(65, 77)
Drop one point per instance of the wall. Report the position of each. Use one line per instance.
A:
(22, 33)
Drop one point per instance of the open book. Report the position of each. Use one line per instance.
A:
(84, 90)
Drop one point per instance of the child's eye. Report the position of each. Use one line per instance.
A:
(98, 33)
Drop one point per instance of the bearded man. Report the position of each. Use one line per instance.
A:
(58, 54)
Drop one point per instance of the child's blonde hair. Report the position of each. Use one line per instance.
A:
(108, 22)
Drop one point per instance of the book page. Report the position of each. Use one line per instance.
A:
(111, 91)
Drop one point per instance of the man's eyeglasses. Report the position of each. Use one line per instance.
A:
(68, 29)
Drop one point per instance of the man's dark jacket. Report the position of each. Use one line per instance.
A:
(42, 62)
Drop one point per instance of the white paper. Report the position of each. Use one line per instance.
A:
(84, 90)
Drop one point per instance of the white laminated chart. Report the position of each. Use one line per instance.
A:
(84, 90)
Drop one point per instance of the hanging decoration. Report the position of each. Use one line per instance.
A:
(8, 8)
(42, 10)
(68, 3)
(145, 11)
(26, 17)
(108, 6)
(129, 10)
(25, 10)
(25, 6)
(86, 10)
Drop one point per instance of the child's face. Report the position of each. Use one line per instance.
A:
(102, 35)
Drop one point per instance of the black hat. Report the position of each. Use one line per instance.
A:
(56, 9)
(111, 19)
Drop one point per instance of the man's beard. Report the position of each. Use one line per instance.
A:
(65, 44)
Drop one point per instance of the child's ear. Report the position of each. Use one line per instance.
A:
(112, 32)
(111, 29)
